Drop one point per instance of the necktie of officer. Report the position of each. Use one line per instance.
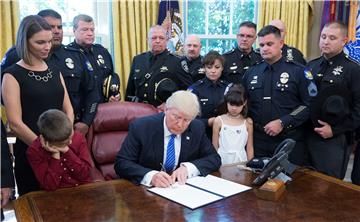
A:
(266, 114)
(170, 154)
(323, 67)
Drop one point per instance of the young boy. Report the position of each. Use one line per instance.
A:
(59, 157)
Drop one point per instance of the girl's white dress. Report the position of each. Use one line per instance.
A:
(232, 143)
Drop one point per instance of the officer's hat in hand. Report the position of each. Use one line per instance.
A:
(111, 86)
(162, 85)
(331, 105)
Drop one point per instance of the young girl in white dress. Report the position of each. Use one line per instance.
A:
(233, 131)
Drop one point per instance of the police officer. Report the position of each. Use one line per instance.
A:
(327, 144)
(193, 58)
(149, 64)
(241, 58)
(279, 94)
(210, 90)
(288, 52)
(75, 69)
(100, 59)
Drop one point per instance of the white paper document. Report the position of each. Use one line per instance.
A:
(217, 185)
(200, 191)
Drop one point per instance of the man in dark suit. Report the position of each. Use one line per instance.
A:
(167, 147)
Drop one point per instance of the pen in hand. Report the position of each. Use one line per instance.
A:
(164, 170)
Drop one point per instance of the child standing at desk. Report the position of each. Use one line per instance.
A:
(233, 131)
(59, 157)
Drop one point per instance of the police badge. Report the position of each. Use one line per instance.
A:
(69, 63)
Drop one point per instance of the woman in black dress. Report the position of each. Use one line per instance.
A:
(29, 88)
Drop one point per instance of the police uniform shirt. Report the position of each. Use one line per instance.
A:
(79, 80)
(9, 58)
(210, 95)
(196, 68)
(146, 66)
(236, 64)
(340, 69)
(101, 63)
(279, 91)
(293, 54)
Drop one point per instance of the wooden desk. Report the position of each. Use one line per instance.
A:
(309, 197)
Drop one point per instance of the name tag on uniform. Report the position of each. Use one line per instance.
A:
(204, 100)
(233, 67)
(246, 67)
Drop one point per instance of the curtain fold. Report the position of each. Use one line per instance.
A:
(131, 22)
(9, 11)
(297, 16)
(9, 23)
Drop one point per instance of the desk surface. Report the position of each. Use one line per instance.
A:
(309, 197)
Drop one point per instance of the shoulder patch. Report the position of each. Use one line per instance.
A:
(190, 88)
(312, 89)
(228, 87)
(308, 75)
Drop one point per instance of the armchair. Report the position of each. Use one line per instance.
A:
(109, 129)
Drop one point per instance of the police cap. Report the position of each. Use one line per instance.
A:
(111, 86)
(331, 105)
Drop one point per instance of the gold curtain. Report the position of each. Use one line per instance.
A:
(131, 22)
(9, 23)
(352, 20)
(297, 16)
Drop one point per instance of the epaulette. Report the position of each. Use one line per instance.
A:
(71, 44)
(258, 62)
(351, 59)
(199, 82)
(257, 51)
(224, 82)
(70, 48)
(229, 52)
(176, 54)
(98, 45)
(313, 60)
(144, 53)
(294, 62)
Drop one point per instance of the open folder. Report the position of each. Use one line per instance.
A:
(200, 191)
